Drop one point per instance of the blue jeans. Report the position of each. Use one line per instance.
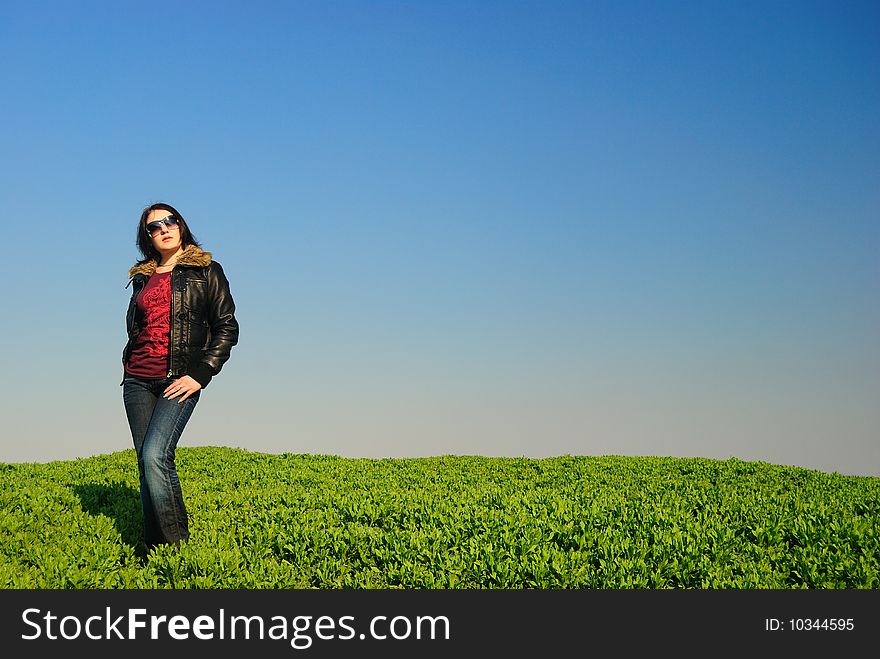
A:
(156, 425)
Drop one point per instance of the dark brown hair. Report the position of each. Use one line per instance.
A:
(145, 243)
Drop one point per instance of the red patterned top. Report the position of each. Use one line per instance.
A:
(149, 356)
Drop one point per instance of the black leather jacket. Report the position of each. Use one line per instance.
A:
(203, 324)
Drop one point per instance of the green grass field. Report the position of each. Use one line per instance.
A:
(261, 521)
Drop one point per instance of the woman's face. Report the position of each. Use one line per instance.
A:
(165, 238)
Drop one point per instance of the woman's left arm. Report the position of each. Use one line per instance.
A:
(224, 327)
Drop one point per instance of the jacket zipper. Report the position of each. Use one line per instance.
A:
(171, 328)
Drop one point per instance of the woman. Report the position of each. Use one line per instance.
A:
(181, 328)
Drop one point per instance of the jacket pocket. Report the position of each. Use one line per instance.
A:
(198, 330)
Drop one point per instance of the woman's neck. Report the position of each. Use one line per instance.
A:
(169, 256)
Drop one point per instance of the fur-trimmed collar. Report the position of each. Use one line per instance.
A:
(191, 255)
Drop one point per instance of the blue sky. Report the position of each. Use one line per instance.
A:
(475, 228)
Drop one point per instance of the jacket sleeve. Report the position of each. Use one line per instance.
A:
(224, 327)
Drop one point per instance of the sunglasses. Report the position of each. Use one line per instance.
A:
(156, 226)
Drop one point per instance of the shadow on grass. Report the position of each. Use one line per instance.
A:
(117, 501)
